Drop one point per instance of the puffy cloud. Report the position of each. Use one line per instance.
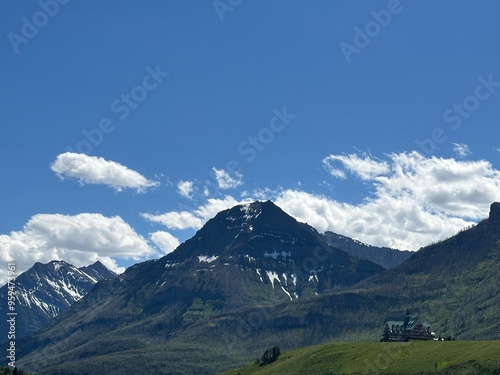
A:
(175, 219)
(96, 170)
(365, 168)
(461, 150)
(386, 221)
(415, 201)
(165, 241)
(226, 181)
(185, 188)
(215, 205)
(197, 217)
(448, 186)
(80, 240)
(411, 200)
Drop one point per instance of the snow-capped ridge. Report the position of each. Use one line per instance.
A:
(207, 259)
(46, 290)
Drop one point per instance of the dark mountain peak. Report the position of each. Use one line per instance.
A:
(52, 265)
(252, 210)
(260, 213)
(243, 227)
(260, 239)
(52, 269)
(495, 212)
(98, 271)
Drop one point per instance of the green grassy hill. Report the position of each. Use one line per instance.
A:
(422, 358)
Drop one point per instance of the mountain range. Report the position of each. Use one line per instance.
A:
(383, 256)
(46, 290)
(254, 277)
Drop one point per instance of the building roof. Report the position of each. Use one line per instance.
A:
(411, 323)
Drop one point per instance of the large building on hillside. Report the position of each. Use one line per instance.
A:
(407, 329)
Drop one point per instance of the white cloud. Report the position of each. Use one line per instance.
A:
(419, 200)
(165, 241)
(365, 168)
(80, 240)
(461, 150)
(226, 181)
(197, 217)
(411, 201)
(175, 219)
(96, 170)
(383, 222)
(185, 188)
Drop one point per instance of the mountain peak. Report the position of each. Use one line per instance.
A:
(260, 213)
(236, 225)
(52, 266)
(253, 209)
(98, 271)
(47, 289)
(495, 212)
(262, 237)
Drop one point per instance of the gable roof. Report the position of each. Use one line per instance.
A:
(411, 323)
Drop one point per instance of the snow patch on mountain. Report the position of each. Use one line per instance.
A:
(258, 273)
(275, 254)
(313, 278)
(287, 293)
(272, 275)
(249, 258)
(207, 259)
(250, 212)
(57, 266)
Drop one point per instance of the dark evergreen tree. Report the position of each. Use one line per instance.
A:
(269, 356)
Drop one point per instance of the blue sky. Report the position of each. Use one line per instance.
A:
(126, 125)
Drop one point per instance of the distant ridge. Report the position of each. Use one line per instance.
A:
(46, 290)
(383, 256)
